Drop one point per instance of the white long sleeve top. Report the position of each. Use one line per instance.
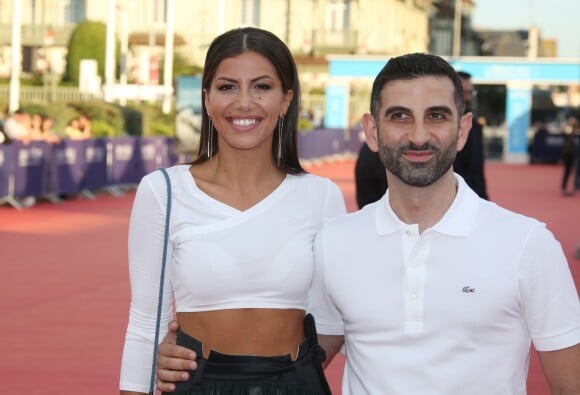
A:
(218, 257)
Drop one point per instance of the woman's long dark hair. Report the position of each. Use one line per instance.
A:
(233, 43)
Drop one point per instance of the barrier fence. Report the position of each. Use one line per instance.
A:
(42, 170)
(39, 169)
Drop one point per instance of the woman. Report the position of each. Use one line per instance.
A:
(42, 129)
(244, 218)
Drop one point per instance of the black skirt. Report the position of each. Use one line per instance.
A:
(224, 374)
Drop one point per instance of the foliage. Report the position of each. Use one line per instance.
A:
(154, 121)
(34, 108)
(161, 129)
(305, 124)
(102, 128)
(61, 113)
(317, 91)
(106, 112)
(87, 41)
(108, 120)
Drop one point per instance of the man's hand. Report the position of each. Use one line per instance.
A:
(173, 361)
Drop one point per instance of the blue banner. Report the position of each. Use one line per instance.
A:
(30, 173)
(519, 103)
(126, 165)
(69, 166)
(95, 165)
(7, 166)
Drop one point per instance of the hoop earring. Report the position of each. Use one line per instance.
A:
(210, 139)
(280, 129)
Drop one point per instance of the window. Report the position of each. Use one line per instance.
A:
(75, 11)
(337, 15)
(158, 12)
(251, 12)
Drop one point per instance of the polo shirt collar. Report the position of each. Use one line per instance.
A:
(457, 221)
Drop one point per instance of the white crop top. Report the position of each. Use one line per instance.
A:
(218, 257)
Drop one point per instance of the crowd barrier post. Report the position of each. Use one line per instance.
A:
(30, 173)
(7, 165)
(95, 172)
(111, 187)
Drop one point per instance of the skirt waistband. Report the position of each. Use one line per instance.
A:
(257, 366)
(304, 374)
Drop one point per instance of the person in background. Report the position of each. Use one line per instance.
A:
(370, 177)
(571, 134)
(469, 162)
(47, 129)
(17, 126)
(72, 130)
(451, 290)
(244, 218)
(35, 127)
(41, 129)
(85, 126)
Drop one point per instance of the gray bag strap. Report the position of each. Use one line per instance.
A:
(161, 281)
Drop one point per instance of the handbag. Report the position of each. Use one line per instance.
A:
(161, 280)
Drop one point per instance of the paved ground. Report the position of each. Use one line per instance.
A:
(65, 289)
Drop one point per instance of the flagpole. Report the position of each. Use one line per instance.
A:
(16, 48)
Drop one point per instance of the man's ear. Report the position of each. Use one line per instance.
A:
(464, 127)
(370, 127)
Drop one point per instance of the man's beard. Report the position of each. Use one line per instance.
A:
(418, 174)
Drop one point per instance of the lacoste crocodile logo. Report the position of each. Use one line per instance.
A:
(468, 290)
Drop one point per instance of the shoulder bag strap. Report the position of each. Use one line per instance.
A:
(161, 281)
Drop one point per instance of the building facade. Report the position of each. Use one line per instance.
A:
(312, 29)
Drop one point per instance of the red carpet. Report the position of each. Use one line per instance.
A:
(65, 290)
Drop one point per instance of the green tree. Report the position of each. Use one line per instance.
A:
(87, 41)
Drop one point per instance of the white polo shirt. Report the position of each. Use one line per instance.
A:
(449, 311)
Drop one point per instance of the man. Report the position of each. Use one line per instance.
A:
(469, 162)
(433, 289)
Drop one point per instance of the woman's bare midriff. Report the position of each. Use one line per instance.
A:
(261, 332)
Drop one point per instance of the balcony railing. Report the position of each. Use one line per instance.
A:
(37, 35)
(335, 41)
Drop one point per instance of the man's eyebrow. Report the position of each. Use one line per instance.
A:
(444, 109)
(394, 109)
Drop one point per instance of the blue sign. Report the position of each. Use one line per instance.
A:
(519, 103)
(337, 97)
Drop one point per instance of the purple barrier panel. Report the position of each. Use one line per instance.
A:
(95, 165)
(69, 166)
(30, 173)
(152, 150)
(356, 139)
(320, 142)
(7, 166)
(126, 167)
(174, 155)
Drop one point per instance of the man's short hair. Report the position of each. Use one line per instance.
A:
(411, 66)
(464, 75)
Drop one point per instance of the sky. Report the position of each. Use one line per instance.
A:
(559, 19)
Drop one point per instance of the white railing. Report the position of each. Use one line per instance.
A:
(46, 94)
(314, 103)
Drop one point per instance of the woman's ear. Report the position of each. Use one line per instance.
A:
(286, 103)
